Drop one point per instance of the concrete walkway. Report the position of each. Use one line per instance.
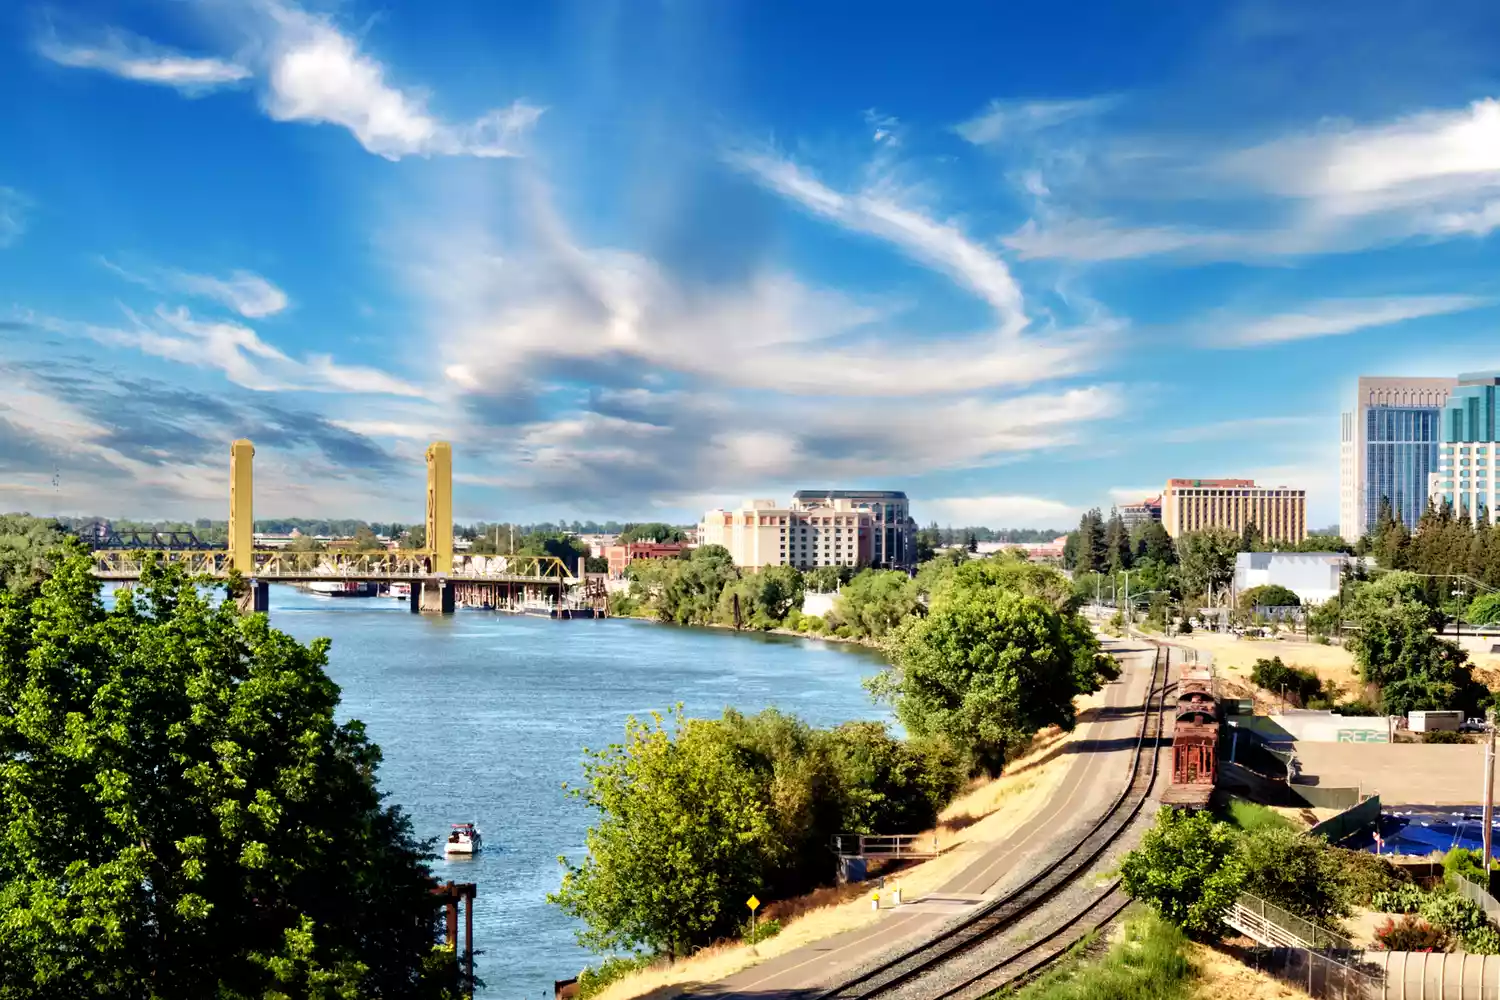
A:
(1099, 769)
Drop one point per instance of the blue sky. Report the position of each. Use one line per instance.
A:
(640, 259)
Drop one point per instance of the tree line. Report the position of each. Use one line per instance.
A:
(696, 815)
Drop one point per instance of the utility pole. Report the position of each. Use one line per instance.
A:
(1489, 794)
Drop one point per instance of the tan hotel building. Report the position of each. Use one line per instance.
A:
(761, 533)
(1194, 504)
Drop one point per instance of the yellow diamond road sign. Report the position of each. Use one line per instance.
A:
(752, 902)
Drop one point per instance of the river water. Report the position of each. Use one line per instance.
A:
(481, 716)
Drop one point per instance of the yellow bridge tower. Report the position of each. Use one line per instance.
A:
(440, 506)
(241, 514)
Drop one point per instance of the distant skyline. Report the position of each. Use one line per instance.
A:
(639, 260)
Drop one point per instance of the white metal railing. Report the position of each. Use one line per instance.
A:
(1269, 924)
(877, 846)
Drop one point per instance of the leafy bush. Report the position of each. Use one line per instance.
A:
(811, 623)
(1463, 863)
(1297, 684)
(1187, 868)
(1410, 934)
(592, 980)
(1463, 919)
(1269, 595)
(1364, 876)
(1300, 874)
(1402, 899)
(1443, 736)
(762, 930)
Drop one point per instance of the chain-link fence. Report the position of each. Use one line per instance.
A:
(1319, 974)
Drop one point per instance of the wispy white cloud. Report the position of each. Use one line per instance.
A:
(246, 292)
(13, 211)
(313, 72)
(1122, 495)
(134, 58)
(236, 350)
(1003, 121)
(1335, 317)
(941, 244)
(316, 73)
(1004, 511)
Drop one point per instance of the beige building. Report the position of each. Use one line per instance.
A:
(761, 533)
(1194, 504)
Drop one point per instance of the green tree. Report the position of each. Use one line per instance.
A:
(1298, 873)
(1118, 552)
(1397, 649)
(888, 785)
(1270, 595)
(25, 544)
(827, 579)
(1152, 542)
(680, 841)
(1251, 538)
(654, 531)
(1206, 560)
(181, 814)
(876, 601)
(1484, 609)
(973, 543)
(1188, 869)
(985, 669)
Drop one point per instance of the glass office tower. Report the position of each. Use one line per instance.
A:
(1389, 449)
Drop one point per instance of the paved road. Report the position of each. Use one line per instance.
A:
(1100, 759)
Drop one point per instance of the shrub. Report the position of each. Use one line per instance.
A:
(1410, 934)
(1365, 876)
(592, 981)
(1301, 874)
(1187, 869)
(1297, 684)
(1402, 899)
(1462, 863)
(1443, 736)
(1463, 919)
(762, 930)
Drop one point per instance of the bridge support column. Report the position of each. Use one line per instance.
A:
(415, 598)
(437, 597)
(257, 597)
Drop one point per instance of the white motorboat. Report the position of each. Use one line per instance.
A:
(464, 840)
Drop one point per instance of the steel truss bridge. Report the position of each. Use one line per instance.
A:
(275, 566)
(124, 556)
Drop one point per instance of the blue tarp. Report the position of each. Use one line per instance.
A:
(1423, 833)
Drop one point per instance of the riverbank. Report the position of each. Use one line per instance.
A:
(865, 641)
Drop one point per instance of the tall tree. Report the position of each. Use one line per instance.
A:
(1250, 538)
(1117, 548)
(1155, 544)
(973, 543)
(1207, 559)
(181, 814)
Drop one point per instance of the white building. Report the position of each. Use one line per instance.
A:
(762, 533)
(1313, 576)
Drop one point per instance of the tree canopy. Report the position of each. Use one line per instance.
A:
(999, 655)
(25, 546)
(1206, 559)
(1269, 595)
(1397, 649)
(1187, 869)
(180, 813)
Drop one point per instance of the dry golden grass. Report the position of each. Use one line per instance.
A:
(987, 811)
(1234, 658)
(1221, 977)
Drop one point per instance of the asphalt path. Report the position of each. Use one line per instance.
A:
(1098, 770)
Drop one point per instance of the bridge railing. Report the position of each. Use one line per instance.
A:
(270, 564)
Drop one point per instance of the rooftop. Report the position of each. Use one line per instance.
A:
(849, 495)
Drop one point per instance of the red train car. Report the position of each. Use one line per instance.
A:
(1195, 740)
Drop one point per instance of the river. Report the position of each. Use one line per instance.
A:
(482, 716)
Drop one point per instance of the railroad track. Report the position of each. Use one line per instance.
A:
(1004, 912)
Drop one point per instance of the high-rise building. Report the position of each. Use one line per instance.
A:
(1194, 504)
(894, 533)
(1469, 447)
(763, 533)
(1389, 449)
(1145, 510)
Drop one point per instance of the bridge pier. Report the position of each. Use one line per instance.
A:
(434, 597)
(257, 598)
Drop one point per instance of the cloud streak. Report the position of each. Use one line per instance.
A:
(1004, 121)
(1337, 317)
(246, 292)
(131, 57)
(13, 209)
